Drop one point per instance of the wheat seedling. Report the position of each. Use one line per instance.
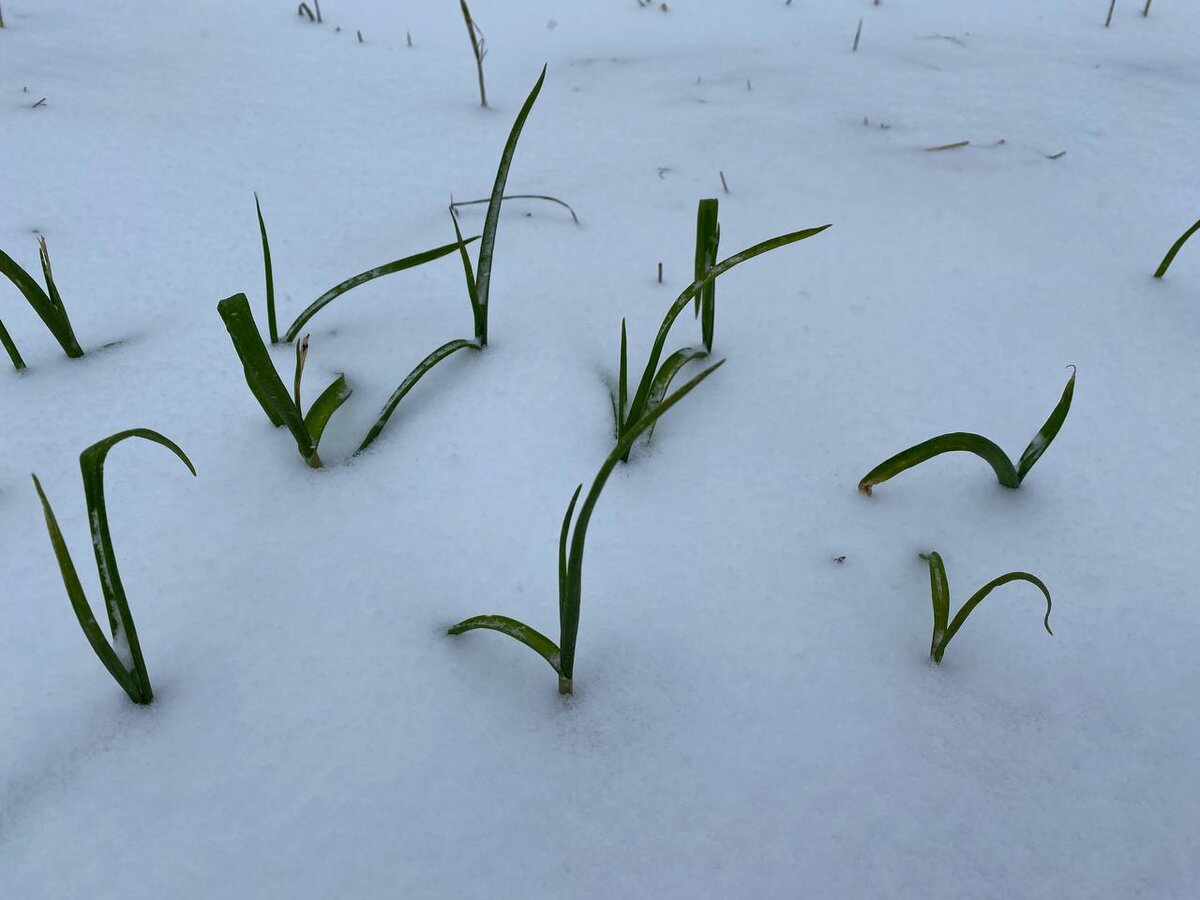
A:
(1175, 248)
(47, 304)
(123, 655)
(656, 379)
(268, 388)
(561, 656)
(943, 628)
(1007, 474)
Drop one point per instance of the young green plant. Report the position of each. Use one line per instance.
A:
(268, 388)
(1175, 248)
(943, 629)
(561, 656)
(47, 304)
(122, 656)
(656, 379)
(1007, 474)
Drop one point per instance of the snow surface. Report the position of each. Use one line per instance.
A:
(751, 719)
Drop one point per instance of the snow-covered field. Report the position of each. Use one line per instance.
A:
(751, 718)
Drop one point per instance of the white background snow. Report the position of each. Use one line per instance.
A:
(751, 719)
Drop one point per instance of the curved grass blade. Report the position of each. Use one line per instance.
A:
(574, 218)
(91, 466)
(1175, 248)
(48, 274)
(337, 290)
(272, 329)
(945, 443)
(13, 353)
(52, 314)
(265, 383)
(1049, 431)
(562, 551)
(569, 623)
(83, 611)
(642, 396)
(939, 589)
(323, 408)
(409, 382)
(708, 236)
(477, 313)
(487, 245)
(622, 399)
(534, 640)
(978, 598)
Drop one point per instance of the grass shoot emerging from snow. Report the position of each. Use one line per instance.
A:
(1175, 248)
(561, 656)
(656, 380)
(268, 388)
(123, 655)
(943, 629)
(1007, 474)
(47, 304)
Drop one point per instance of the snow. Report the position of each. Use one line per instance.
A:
(751, 719)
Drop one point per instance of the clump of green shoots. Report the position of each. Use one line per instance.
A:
(47, 304)
(656, 379)
(123, 655)
(943, 628)
(1175, 248)
(1007, 474)
(561, 656)
(268, 388)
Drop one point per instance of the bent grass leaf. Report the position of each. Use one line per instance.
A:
(487, 245)
(943, 632)
(535, 640)
(123, 656)
(1007, 474)
(323, 408)
(410, 382)
(337, 290)
(1175, 248)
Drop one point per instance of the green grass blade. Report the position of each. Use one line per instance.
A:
(477, 313)
(487, 246)
(48, 274)
(708, 237)
(939, 589)
(642, 396)
(670, 368)
(1175, 248)
(52, 316)
(83, 611)
(570, 608)
(534, 640)
(945, 443)
(1049, 431)
(399, 265)
(409, 382)
(622, 382)
(13, 353)
(301, 356)
(261, 376)
(91, 466)
(325, 406)
(272, 329)
(562, 552)
(978, 598)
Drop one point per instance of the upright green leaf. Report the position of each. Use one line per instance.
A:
(325, 406)
(487, 246)
(51, 312)
(478, 315)
(272, 330)
(399, 265)
(708, 236)
(1049, 431)
(1175, 248)
(939, 588)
